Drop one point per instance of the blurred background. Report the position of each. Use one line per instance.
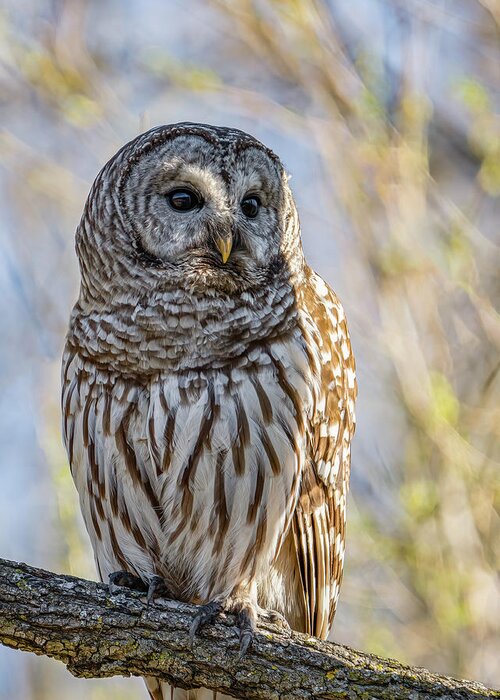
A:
(386, 114)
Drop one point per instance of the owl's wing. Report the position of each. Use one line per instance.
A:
(319, 520)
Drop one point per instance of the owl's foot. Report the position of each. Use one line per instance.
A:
(154, 587)
(126, 580)
(206, 616)
(246, 617)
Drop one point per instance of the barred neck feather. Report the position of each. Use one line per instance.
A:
(178, 331)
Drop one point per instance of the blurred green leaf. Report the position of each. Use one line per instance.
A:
(474, 95)
(445, 405)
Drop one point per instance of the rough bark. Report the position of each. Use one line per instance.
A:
(97, 634)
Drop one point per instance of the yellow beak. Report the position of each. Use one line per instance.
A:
(224, 246)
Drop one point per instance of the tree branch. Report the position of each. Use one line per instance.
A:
(96, 634)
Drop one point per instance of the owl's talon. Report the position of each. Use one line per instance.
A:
(124, 579)
(156, 587)
(248, 629)
(205, 616)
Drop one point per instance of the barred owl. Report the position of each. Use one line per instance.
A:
(208, 385)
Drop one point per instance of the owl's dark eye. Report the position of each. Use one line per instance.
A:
(184, 200)
(250, 206)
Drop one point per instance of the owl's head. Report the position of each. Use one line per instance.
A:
(191, 205)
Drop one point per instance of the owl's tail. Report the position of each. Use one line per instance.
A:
(163, 691)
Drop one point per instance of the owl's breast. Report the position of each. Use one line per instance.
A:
(194, 476)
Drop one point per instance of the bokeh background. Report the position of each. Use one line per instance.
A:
(386, 115)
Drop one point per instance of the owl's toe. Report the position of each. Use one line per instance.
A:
(248, 628)
(156, 587)
(125, 579)
(276, 618)
(206, 615)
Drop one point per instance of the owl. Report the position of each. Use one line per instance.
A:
(208, 386)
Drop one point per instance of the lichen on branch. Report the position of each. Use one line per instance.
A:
(97, 635)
